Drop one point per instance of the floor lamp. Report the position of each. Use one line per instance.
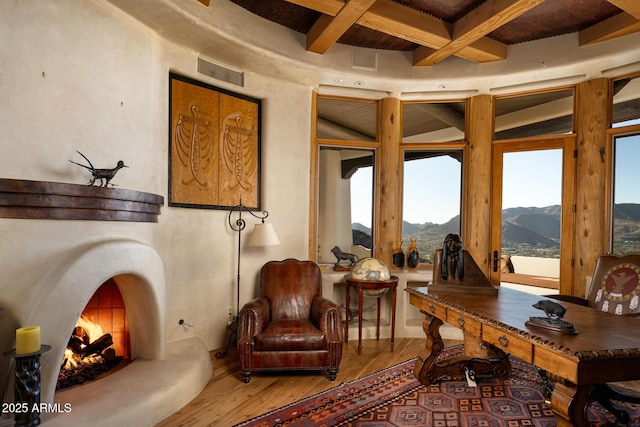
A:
(263, 235)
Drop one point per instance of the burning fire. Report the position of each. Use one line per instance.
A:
(87, 332)
(88, 354)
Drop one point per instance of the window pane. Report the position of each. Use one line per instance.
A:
(431, 199)
(626, 101)
(531, 211)
(433, 122)
(626, 197)
(347, 120)
(345, 197)
(538, 114)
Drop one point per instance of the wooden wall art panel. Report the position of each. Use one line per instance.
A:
(214, 146)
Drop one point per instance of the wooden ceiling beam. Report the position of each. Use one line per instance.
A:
(429, 32)
(327, 7)
(483, 50)
(406, 23)
(399, 21)
(617, 26)
(632, 7)
(482, 20)
(328, 29)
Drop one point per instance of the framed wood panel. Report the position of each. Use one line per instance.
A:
(214, 146)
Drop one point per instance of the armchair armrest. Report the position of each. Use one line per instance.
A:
(325, 314)
(253, 318)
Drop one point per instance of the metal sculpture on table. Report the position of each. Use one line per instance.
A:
(553, 320)
(103, 175)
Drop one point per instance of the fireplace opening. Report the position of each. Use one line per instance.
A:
(99, 342)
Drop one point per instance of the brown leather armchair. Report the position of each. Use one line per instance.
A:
(290, 326)
(615, 288)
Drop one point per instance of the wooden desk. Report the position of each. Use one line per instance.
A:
(361, 285)
(606, 348)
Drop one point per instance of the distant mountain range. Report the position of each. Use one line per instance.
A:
(525, 230)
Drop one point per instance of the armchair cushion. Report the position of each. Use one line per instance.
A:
(290, 335)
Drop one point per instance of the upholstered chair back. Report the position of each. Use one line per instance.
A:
(615, 287)
(290, 286)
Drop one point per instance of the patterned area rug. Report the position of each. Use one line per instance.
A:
(394, 397)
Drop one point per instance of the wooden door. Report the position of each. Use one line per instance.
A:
(530, 179)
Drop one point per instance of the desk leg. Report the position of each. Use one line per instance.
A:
(359, 320)
(427, 371)
(378, 320)
(393, 317)
(347, 314)
(569, 403)
(434, 345)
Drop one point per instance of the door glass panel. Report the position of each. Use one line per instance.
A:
(432, 189)
(345, 202)
(626, 197)
(531, 212)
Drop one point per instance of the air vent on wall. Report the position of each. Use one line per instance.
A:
(221, 73)
(365, 60)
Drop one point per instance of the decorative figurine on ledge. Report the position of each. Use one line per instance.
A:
(454, 270)
(343, 256)
(104, 175)
(555, 312)
(452, 257)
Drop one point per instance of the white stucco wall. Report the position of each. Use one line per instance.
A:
(86, 76)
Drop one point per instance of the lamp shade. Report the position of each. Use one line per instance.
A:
(264, 235)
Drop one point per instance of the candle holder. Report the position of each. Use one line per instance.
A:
(27, 387)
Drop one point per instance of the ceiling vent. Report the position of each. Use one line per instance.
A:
(221, 73)
(365, 60)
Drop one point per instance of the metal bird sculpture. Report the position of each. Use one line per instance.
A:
(103, 175)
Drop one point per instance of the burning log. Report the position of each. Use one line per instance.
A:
(85, 359)
(96, 347)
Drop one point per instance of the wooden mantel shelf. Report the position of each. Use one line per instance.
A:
(53, 200)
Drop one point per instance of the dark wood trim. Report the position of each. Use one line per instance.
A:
(52, 200)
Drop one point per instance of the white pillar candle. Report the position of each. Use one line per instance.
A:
(28, 340)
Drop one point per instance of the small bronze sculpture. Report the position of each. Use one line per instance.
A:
(104, 175)
(452, 257)
(555, 312)
(337, 252)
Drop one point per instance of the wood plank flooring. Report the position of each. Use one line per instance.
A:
(226, 400)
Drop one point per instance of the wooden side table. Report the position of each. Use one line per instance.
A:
(361, 285)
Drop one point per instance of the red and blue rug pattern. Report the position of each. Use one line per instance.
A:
(394, 397)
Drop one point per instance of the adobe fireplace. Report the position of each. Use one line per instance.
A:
(160, 378)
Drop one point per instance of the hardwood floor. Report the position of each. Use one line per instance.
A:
(226, 400)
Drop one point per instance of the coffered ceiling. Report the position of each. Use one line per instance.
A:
(433, 30)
